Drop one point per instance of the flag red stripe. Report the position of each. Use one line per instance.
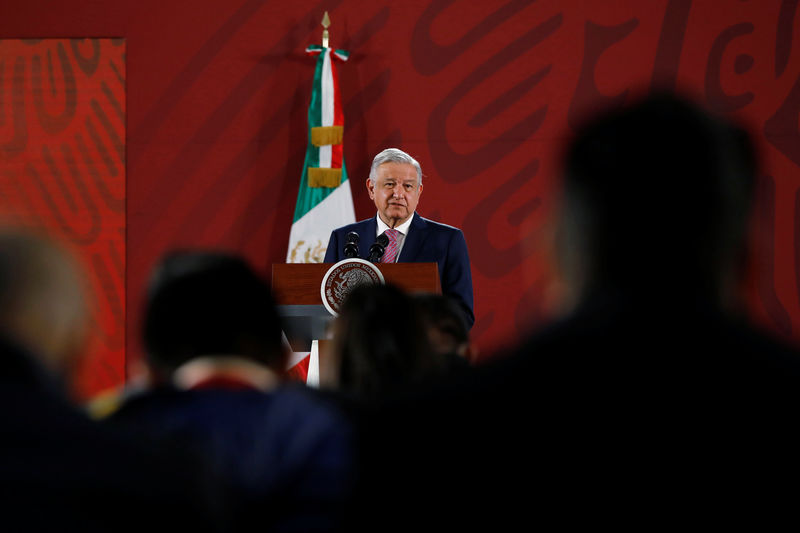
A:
(338, 114)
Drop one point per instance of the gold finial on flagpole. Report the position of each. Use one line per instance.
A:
(326, 21)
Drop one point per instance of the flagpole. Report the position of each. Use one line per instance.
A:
(326, 21)
(324, 198)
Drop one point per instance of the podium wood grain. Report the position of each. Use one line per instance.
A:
(299, 283)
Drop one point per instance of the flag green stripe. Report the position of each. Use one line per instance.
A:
(315, 107)
(308, 197)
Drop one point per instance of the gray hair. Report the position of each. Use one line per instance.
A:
(42, 298)
(393, 155)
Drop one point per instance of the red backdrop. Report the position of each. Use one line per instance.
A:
(480, 92)
(62, 170)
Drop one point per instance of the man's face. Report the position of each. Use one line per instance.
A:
(395, 192)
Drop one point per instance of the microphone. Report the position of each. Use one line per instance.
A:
(377, 249)
(351, 246)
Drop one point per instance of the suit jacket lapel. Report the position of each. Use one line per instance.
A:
(367, 237)
(414, 240)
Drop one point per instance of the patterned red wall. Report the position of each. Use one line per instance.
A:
(62, 168)
(480, 92)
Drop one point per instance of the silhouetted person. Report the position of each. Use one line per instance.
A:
(59, 470)
(213, 340)
(652, 249)
(651, 398)
(380, 345)
(447, 331)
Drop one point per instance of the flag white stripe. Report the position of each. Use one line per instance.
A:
(312, 380)
(325, 152)
(327, 90)
(314, 228)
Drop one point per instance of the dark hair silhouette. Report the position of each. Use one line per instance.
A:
(207, 303)
(444, 321)
(381, 343)
(656, 195)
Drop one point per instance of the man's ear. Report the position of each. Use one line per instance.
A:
(371, 189)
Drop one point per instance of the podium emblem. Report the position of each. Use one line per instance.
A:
(345, 276)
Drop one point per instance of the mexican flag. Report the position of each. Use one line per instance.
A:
(324, 201)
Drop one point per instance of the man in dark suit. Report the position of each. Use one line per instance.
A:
(395, 185)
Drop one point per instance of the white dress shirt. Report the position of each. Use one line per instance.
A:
(402, 228)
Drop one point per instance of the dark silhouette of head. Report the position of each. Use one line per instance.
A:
(444, 321)
(209, 304)
(380, 343)
(42, 300)
(656, 197)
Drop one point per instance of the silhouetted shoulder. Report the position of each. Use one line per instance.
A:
(352, 227)
(439, 226)
(650, 351)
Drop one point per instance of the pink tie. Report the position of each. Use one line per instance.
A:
(390, 254)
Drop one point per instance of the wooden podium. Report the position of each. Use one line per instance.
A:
(296, 287)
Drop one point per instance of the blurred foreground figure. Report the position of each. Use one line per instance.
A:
(213, 340)
(448, 333)
(652, 398)
(42, 302)
(59, 470)
(380, 346)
